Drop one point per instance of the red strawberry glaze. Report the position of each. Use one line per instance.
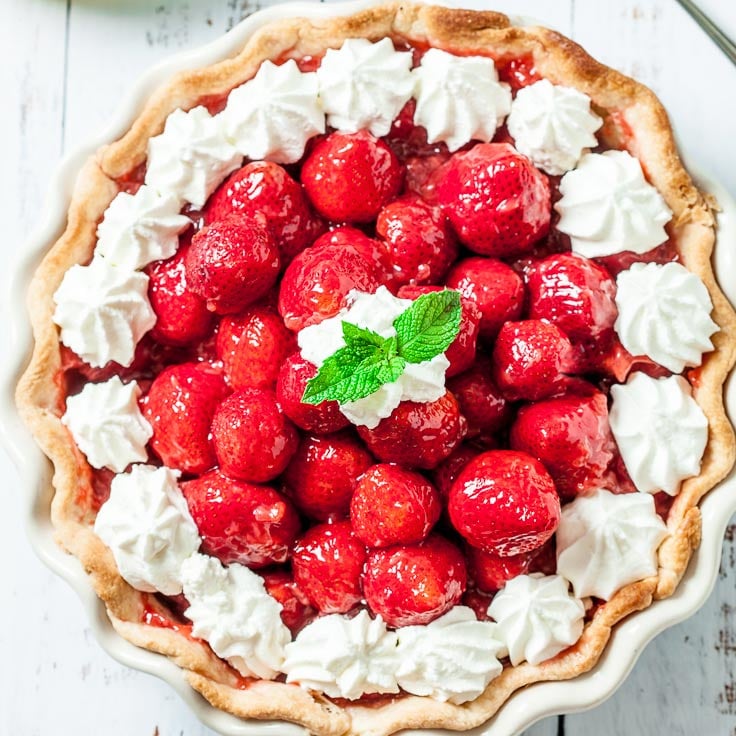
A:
(445, 473)
(490, 572)
(292, 381)
(252, 437)
(349, 177)
(664, 253)
(504, 502)
(179, 407)
(410, 585)
(265, 191)
(417, 435)
(323, 473)
(150, 616)
(296, 611)
(252, 347)
(241, 522)
(478, 601)
(518, 72)
(392, 505)
(327, 562)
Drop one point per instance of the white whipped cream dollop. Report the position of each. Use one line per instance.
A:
(552, 125)
(664, 313)
(147, 526)
(459, 98)
(452, 658)
(537, 617)
(103, 311)
(140, 228)
(344, 657)
(608, 207)
(660, 430)
(364, 85)
(107, 424)
(421, 382)
(230, 609)
(191, 157)
(273, 115)
(606, 541)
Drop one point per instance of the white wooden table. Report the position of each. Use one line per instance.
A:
(65, 64)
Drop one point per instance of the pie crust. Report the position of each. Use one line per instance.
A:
(626, 106)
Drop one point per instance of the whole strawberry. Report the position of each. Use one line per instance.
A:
(296, 611)
(497, 201)
(495, 288)
(445, 473)
(232, 263)
(349, 177)
(262, 189)
(372, 249)
(253, 439)
(327, 562)
(392, 505)
(504, 502)
(179, 407)
(490, 572)
(253, 346)
(417, 435)
(323, 473)
(413, 584)
(240, 522)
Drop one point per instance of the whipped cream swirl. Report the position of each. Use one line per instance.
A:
(606, 541)
(364, 85)
(147, 526)
(344, 657)
(421, 382)
(608, 207)
(231, 610)
(107, 424)
(660, 430)
(273, 115)
(459, 98)
(552, 125)
(191, 157)
(140, 228)
(452, 658)
(664, 313)
(103, 311)
(537, 617)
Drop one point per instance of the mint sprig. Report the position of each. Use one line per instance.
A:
(368, 360)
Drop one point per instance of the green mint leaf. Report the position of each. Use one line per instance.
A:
(428, 327)
(353, 334)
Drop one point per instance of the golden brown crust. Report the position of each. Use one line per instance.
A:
(624, 104)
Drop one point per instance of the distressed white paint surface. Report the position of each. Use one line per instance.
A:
(65, 66)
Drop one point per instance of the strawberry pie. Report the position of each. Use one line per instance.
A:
(381, 368)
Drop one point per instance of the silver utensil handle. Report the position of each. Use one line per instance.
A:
(716, 34)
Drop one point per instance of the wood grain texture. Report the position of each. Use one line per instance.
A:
(67, 63)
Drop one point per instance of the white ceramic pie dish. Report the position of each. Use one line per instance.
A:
(524, 707)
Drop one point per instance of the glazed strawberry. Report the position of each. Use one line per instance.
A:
(545, 558)
(350, 176)
(232, 263)
(497, 201)
(573, 293)
(478, 601)
(496, 289)
(327, 562)
(179, 407)
(570, 436)
(392, 505)
(292, 381)
(461, 352)
(411, 585)
(419, 239)
(252, 347)
(490, 572)
(241, 522)
(445, 473)
(419, 174)
(504, 502)
(262, 189)
(373, 250)
(316, 282)
(481, 403)
(417, 435)
(530, 360)
(296, 611)
(182, 317)
(519, 72)
(253, 439)
(323, 473)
